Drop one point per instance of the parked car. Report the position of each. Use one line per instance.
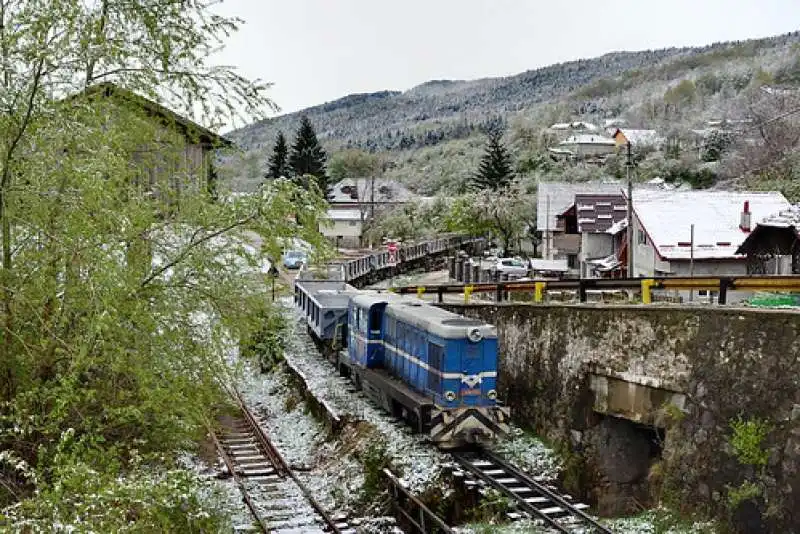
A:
(294, 259)
(512, 266)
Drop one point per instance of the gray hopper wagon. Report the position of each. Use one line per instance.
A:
(324, 305)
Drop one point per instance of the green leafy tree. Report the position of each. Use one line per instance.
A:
(496, 168)
(278, 164)
(509, 215)
(354, 163)
(122, 284)
(307, 158)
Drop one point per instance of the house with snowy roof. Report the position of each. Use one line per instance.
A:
(575, 126)
(699, 233)
(773, 247)
(595, 215)
(584, 145)
(354, 201)
(557, 220)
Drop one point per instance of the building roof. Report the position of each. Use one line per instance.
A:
(597, 213)
(785, 218)
(343, 215)
(639, 137)
(554, 198)
(576, 125)
(587, 139)
(667, 217)
(775, 234)
(187, 127)
(352, 190)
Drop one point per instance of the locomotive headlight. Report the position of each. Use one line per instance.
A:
(474, 335)
(492, 394)
(450, 395)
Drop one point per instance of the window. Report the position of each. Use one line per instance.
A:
(572, 261)
(435, 357)
(375, 321)
(641, 237)
(352, 223)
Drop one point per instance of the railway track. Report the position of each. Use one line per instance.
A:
(531, 496)
(278, 500)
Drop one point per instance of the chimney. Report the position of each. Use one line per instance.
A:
(744, 224)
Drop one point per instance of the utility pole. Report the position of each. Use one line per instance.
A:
(548, 232)
(691, 259)
(629, 168)
(372, 198)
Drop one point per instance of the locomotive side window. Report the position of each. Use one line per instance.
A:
(435, 357)
(375, 321)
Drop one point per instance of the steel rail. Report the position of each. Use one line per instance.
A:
(546, 491)
(426, 514)
(464, 461)
(281, 466)
(238, 480)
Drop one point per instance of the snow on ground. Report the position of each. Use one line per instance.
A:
(529, 454)
(222, 492)
(520, 527)
(328, 466)
(418, 462)
(647, 523)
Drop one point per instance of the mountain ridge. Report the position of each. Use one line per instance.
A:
(440, 112)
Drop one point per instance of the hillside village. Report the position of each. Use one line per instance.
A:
(713, 129)
(685, 223)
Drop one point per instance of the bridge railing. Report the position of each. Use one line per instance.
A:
(582, 287)
(408, 252)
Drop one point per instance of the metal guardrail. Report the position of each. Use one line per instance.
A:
(645, 285)
(425, 521)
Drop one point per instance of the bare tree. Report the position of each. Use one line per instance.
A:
(766, 145)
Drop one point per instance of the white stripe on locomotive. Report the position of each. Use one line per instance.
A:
(413, 359)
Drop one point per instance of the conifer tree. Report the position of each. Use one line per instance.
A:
(278, 164)
(307, 157)
(495, 170)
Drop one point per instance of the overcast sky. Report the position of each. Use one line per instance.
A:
(319, 50)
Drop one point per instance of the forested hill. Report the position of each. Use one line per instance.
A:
(439, 112)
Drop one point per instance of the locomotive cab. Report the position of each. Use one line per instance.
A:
(365, 327)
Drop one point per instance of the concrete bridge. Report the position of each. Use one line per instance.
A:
(643, 400)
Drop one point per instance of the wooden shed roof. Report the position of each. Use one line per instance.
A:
(187, 127)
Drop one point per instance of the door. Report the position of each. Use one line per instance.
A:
(471, 368)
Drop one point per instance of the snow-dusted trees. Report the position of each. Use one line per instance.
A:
(507, 216)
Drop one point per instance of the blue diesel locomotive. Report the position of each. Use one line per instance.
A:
(433, 368)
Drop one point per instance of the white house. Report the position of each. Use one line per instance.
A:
(343, 227)
(354, 201)
(666, 245)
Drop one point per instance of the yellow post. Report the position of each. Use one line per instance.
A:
(420, 291)
(538, 294)
(647, 294)
(467, 293)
